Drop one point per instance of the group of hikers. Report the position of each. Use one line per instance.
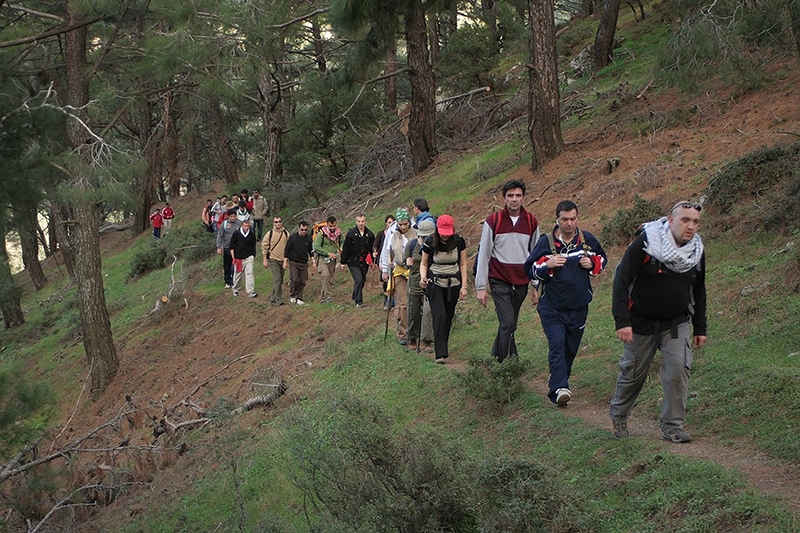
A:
(659, 286)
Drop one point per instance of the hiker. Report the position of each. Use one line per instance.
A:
(420, 321)
(259, 210)
(443, 275)
(356, 250)
(228, 207)
(224, 233)
(272, 253)
(327, 247)
(563, 262)
(157, 221)
(168, 213)
(243, 252)
(507, 239)
(206, 215)
(376, 256)
(299, 248)
(243, 214)
(218, 212)
(422, 212)
(659, 287)
(395, 272)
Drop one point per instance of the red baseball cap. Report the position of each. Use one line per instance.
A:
(444, 225)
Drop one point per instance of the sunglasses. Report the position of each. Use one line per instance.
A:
(687, 205)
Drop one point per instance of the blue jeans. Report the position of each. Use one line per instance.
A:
(258, 224)
(564, 330)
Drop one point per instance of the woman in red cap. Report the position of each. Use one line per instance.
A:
(443, 274)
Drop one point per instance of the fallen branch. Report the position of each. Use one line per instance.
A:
(259, 401)
(641, 94)
(115, 227)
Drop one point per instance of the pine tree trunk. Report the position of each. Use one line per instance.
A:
(30, 252)
(544, 111)
(10, 294)
(390, 84)
(422, 121)
(273, 123)
(61, 217)
(224, 152)
(98, 343)
(172, 146)
(604, 40)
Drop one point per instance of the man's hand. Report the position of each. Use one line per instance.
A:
(385, 276)
(266, 262)
(219, 251)
(556, 261)
(535, 295)
(699, 341)
(586, 262)
(625, 335)
(481, 294)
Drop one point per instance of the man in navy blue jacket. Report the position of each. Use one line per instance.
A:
(563, 262)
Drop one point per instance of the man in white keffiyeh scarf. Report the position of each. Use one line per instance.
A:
(673, 242)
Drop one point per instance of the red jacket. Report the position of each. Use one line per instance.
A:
(157, 220)
(168, 213)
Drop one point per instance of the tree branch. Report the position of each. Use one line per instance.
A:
(50, 33)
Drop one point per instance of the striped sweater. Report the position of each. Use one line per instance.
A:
(510, 245)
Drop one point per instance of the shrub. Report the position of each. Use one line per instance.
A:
(760, 189)
(706, 46)
(497, 383)
(364, 475)
(151, 258)
(619, 229)
(191, 242)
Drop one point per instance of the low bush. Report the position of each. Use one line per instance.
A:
(620, 228)
(149, 259)
(496, 383)
(191, 242)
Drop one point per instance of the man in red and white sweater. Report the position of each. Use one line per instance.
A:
(508, 237)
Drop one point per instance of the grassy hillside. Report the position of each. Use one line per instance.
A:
(371, 437)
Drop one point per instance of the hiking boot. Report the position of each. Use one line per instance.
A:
(676, 435)
(427, 347)
(403, 342)
(620, 430)
(563, 396)
(412, 346)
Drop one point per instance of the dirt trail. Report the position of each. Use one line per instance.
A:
(763, 473)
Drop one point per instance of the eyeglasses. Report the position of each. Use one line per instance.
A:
(687, 205)
(302, 230)
(277, 222)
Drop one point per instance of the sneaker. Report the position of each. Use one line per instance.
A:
(563, 396)
(253, 294)
(359, 305)
(292, 300)
(620, 430)
(299, 302)
(235, 292)
(279, 302)
(227, 286)
(441, 360)
(676, 435)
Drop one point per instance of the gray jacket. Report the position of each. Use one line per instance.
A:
(225, 232)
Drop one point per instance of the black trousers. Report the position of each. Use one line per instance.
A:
(227, 266)
(508, 300)
(359, 274)
(443, 302)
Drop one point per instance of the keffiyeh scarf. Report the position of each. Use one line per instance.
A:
(662, 247)
(331, 235)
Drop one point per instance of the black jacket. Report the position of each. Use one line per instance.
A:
(648, 296)
(298, 248)
(357, 247)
